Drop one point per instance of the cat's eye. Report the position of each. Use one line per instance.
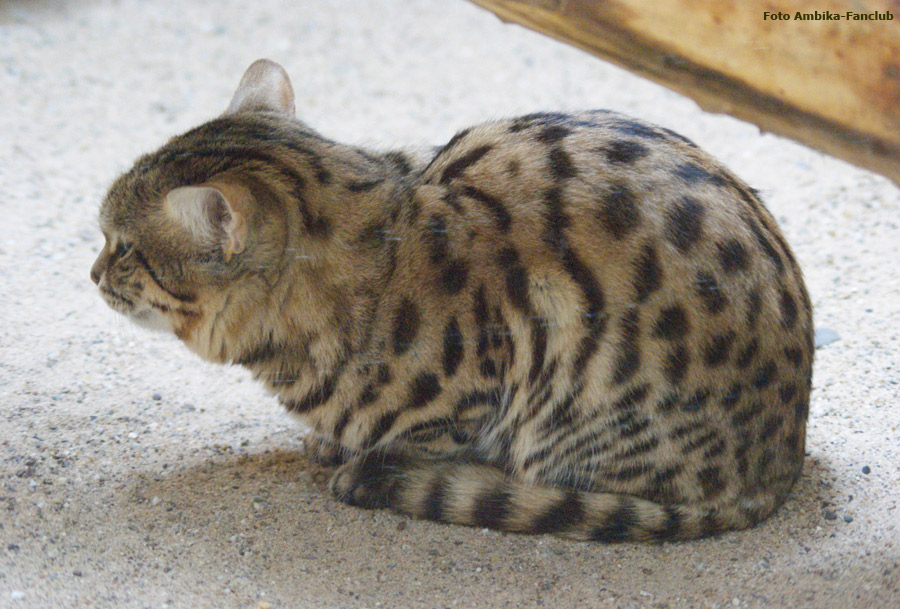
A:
(122, 249)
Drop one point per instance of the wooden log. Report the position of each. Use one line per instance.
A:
(832, 84)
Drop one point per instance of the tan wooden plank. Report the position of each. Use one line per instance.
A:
(832, 84)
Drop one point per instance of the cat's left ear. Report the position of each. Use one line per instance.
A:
(206, 213)
(265, 87)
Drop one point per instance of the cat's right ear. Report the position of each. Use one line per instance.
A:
(265, 87)
(206, 213)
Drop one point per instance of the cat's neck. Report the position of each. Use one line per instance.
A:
(296, 322)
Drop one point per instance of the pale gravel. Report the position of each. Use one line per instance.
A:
(133, 475)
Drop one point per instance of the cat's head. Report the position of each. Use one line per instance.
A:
(190, 220)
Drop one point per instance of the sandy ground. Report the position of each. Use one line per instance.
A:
(134, 475)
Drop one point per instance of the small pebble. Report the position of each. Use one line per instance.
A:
(157, 396)
(830, 515)
(132, 435)
(17, 595)
(848, 518)
(825, 336)
(866, 469)
(401, 525)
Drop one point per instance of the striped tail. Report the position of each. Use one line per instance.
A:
(483, 496)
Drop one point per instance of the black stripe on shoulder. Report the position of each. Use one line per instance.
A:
(454, 347)
(493, 204)
(363, 186)
(382, 426)
(456, 168)
(320, 394)
(452, 143)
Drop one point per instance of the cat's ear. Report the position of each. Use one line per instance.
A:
(206, 213)
(264, 87)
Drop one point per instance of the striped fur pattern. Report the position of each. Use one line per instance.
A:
(577, 324)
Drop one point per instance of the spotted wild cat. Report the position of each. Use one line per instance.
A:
(568, 323)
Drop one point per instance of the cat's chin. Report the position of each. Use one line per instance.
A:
(151, 320)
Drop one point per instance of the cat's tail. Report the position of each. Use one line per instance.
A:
(482, 496)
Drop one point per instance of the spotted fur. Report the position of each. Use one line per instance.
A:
(577, 324)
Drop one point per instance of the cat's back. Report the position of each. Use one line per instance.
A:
(637, 203)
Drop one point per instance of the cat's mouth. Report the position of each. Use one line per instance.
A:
(144, 316)
(117, 302)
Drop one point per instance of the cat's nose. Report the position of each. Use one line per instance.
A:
(95, 276)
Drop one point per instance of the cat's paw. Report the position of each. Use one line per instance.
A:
(322, 451)
(369, 481)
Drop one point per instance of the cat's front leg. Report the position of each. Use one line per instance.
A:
(322, 451)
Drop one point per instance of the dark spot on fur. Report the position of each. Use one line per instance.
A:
(625, 151)
(539, 118)
(423, 389)
(629, 359)
(561, 165)
(765, 375)
(363, 186)
(677, 364)
(691, 173)
(552, 134)
(696, 401)
(406, 326)
(710, 481)
(454, 275)
(487, 368)
(453, 347)
(754, 306)
(732, 255)
(383, 375)
(794, 356)
(684, 224)
(636, 129)
(716, 352)
(436, 238)
(746, 355)
(709, 291)
(647, 276)
(787, 392)
(538, 348)
(619, 213)
(770, 426)
(764, 243)
(788, 310)
(672, 324)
